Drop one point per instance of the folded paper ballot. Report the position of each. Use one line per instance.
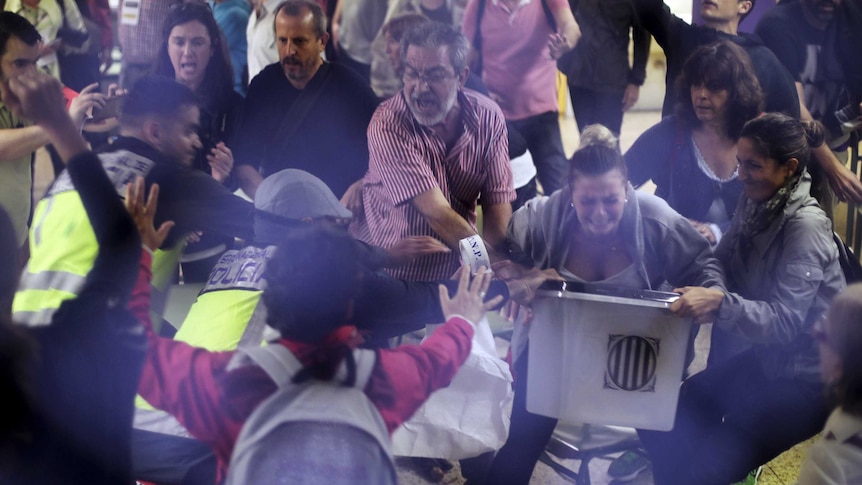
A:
(605, 355)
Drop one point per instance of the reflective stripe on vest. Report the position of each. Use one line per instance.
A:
(164, 267)
(227, 314)
(63, 245)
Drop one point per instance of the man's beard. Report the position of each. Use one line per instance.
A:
(445, 106)
(295, 74)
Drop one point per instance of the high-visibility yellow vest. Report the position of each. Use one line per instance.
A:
(63, 245)
(228, 313)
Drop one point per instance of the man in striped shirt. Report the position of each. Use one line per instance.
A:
(434, 148)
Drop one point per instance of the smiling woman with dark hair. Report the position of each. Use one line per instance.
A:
(691, 156)
(782, 270)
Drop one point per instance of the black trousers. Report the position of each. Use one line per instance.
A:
(528, 435)
(596, 107)
(172, 460)
(731, 419)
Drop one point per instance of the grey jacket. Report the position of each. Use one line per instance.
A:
(786, 283)
(667, 251)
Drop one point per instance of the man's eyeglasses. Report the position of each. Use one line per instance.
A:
(435, 76)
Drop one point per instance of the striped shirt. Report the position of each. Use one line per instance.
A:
(408, 159)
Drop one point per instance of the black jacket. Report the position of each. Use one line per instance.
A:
(679, 40)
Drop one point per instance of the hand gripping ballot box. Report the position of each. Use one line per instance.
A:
(605, 355)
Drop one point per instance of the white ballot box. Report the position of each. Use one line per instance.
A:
(606, 355)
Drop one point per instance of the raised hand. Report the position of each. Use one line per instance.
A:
(88, 99)
(469, 301)
(221, 162)
(35, 96)
(144, 212)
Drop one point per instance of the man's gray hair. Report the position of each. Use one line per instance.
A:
(436, 34)
(294, 8)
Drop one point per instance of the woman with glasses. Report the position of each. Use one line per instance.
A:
(837, 456)
(782, 270)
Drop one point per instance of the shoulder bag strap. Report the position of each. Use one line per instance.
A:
(293, 118)
(678, 145)
(549, 16)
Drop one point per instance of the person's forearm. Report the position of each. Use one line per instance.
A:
(249, 179)
(655, 17)
(66, 138)
(641, 40)
(413, 372)
(494, 225)
(572, 32)
(447, 223)
(451, 227)
(804, 114)
(567, 25)
(18, 142)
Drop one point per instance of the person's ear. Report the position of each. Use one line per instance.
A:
(462, 78)
(792, 165)
(743, 7)
(324, 39)
(152, 132)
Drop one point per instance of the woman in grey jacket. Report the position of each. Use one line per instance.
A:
(599, 230)
(782, 271)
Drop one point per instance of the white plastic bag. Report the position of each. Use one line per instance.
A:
(468, 418)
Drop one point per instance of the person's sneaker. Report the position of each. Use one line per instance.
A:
(752, 477)
(627, 466)
(431, 469)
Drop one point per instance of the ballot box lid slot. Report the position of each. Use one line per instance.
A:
(606, 293)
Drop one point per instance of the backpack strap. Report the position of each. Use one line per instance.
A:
(276, 360)
(281, 365)
(364, 359)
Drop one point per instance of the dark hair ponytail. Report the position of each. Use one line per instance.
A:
(781, 138)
